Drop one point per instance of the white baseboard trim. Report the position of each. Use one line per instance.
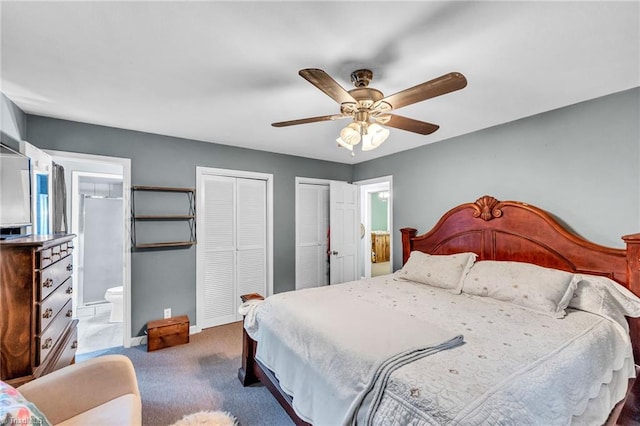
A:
(142, 340)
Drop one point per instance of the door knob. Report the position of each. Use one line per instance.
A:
(335, 253)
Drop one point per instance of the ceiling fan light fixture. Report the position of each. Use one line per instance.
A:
(376, 135)
(345, 145)
(351, 134)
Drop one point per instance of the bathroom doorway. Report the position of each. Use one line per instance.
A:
(98, 213)
(376, 216)
(380, 233)
(97, 201)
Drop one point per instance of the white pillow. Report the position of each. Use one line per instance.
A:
(444, 271)
(534, 287)
(605, 297)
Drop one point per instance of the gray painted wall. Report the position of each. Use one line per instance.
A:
(13, 123)
(166, 278)
(580, 163)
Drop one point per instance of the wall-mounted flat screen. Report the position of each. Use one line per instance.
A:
(15, 189)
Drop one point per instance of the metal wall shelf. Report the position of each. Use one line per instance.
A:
(190, 217)
(164, 216)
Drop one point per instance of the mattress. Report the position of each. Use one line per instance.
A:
(515, 365)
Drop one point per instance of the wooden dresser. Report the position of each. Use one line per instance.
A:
(38, 334)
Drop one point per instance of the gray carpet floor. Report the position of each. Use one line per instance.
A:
(200, 375)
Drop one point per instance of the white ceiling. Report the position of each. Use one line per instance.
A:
(223, 71)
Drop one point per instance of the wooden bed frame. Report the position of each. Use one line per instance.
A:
(508, 231)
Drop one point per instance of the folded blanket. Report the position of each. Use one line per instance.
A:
(345, 346)
(366, 404)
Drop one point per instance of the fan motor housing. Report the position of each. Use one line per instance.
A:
(366, 98)
(366, 94)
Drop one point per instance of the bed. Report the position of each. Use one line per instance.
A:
(467, 351)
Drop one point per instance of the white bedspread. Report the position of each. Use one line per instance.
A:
(515, 367)
(304, 338)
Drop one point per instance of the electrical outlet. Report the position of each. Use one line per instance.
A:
(167, 312)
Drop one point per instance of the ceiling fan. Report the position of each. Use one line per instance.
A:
(369, 108)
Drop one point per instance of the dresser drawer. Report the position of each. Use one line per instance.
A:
(66, 249)
(53, 254)
(48, 309)
(69, 348)
(47, 340)
(54, 275)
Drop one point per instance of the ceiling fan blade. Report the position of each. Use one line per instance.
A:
(409, 124)
(309, 120)
(430, 89)
(328, 85)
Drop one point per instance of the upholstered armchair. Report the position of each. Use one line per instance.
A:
(98, 391)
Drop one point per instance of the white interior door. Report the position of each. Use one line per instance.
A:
(251, 242)
(345, 235)
(217, 212)
(312, 225)
(41, 165)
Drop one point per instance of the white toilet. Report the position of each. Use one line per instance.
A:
(114, 295)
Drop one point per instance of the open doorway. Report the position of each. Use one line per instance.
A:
(376, 215)
(98, 190)
(97, 220)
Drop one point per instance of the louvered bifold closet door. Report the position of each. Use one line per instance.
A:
(251, 260)
(218, 298)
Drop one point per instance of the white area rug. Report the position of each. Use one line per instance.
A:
(208, 418)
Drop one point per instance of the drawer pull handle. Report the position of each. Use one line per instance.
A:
(47, 313)
(47, 283)
(47, 343)
(69, 313)
(70, 267)
(69, 290)
(74, 345)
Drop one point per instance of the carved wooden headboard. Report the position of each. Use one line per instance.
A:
(516, 231)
